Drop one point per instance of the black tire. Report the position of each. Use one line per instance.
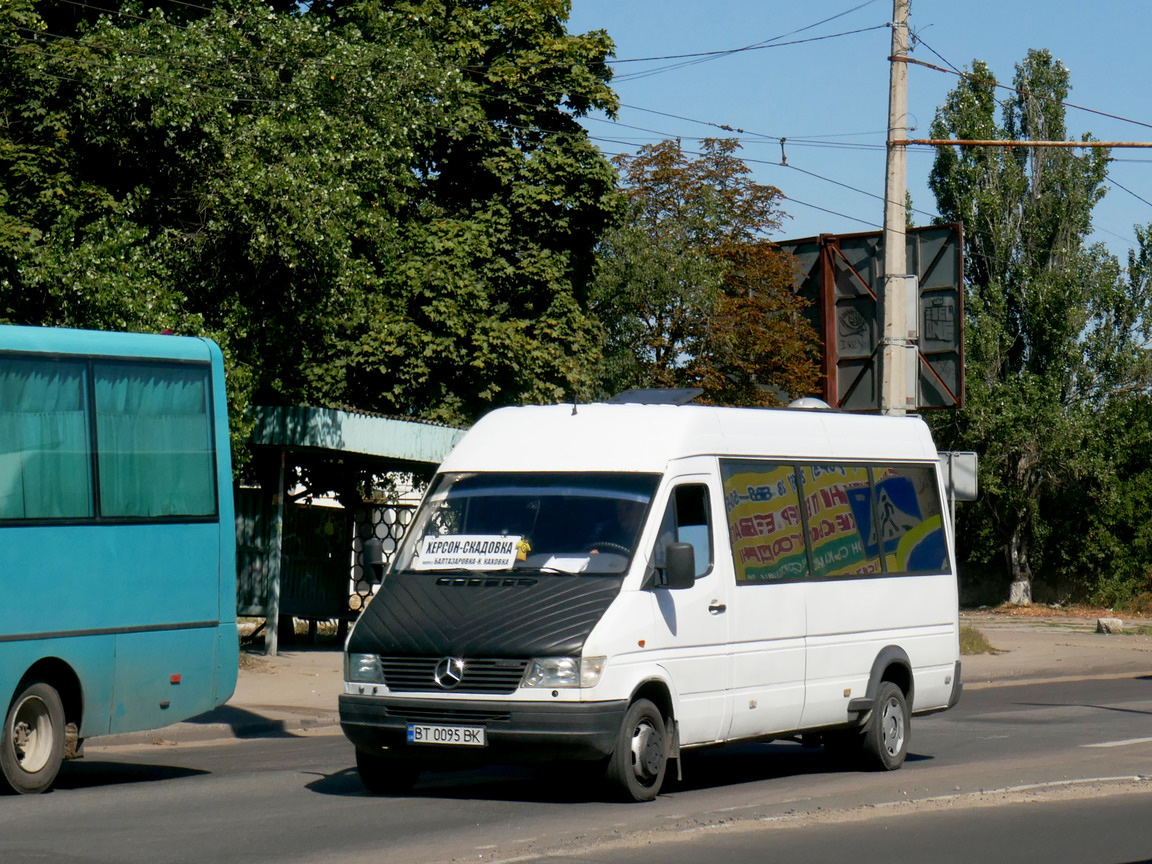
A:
(640, 759)
(386, 775)
(32, 740)
(887, 730)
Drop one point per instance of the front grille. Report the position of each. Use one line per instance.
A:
(481, 675)
(447, 716)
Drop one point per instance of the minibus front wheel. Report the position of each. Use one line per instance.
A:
(640, 757)
(32, 740)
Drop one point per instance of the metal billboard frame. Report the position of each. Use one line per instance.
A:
(842, 273)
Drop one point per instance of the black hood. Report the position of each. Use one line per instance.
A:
(430, 614)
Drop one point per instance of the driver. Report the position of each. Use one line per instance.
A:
(616, 532)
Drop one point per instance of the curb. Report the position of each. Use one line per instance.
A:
(206, 728)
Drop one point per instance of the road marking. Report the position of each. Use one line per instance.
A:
(1123, 743)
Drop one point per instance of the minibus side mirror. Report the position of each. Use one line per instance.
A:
(679, 565)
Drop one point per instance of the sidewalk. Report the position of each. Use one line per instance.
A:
(295, 693)
(1037, 647)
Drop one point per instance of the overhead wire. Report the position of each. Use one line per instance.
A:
(710, 55)
(1116, 183)
(969, 76)
(1027, 93)
(737, 131)
(754, 45)
(704, 57)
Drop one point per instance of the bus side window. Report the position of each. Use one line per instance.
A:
(686, 520)
(45, 464)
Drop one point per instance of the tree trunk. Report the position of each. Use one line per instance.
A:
(1020, 592)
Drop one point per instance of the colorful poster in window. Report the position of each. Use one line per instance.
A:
(911, 525)
(834, 495)
(764, 521)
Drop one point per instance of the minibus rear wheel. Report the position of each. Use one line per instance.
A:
(640, 758)
(886, 732)
(385, 775)
(32, 740)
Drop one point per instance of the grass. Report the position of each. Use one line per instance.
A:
(972, 641)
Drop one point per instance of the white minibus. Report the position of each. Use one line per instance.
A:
(621, 583)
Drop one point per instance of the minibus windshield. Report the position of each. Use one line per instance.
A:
(558, 522)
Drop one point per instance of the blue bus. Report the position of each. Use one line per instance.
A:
(117, 541)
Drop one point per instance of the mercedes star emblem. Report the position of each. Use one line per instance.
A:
(449, 672)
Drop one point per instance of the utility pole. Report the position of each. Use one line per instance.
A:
(895, 365)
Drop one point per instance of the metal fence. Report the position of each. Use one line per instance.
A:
(332, 558)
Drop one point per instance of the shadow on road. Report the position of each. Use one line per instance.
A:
(243, 723)
(83, 774)
(558, 783)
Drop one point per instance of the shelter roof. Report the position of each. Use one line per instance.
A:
(301, 428)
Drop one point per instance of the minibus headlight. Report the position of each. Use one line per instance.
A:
(563, 672)
(363, 668)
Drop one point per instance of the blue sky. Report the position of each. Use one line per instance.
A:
(829, 98)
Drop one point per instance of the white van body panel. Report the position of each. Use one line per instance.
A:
(851, 621)
(689, 638)
(768, 660)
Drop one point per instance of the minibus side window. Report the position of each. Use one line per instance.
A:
(910, 519)
(686, 520)
(838, 506)
(764, 521)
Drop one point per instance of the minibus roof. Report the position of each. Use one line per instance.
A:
(645, 438)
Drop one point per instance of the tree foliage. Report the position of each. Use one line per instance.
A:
(489, 306)
(1054, 332)
(383, 205)
(689, 290)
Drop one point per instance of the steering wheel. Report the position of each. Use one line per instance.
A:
(606, 546)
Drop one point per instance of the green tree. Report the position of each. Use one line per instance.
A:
(488, 305)
(1106, 513)
(689, 290)
(1053, 332)
(383, 205)
(240, 175)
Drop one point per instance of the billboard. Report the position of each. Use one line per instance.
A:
(842, 275)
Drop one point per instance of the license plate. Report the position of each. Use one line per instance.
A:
(459, 736)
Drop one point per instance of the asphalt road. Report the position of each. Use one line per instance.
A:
(1048, 770)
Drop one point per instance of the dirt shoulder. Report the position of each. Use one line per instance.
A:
(1041, 642)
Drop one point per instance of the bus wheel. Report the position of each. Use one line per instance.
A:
(886, 732)
(384, 775)
(32, 740)
(640, 758)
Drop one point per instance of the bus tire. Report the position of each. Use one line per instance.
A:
(640, 758)
(384, 775)
(885, 742)
(32, 740)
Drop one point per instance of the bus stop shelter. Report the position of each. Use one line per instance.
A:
(336, 490)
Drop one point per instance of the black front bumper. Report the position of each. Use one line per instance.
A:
(514, 731)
